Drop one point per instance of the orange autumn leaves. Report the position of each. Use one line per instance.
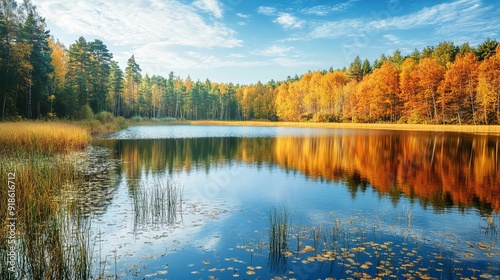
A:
(465, 91)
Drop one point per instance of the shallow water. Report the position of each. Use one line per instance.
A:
(360, 202)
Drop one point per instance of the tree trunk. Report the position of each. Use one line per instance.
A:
(6, 82)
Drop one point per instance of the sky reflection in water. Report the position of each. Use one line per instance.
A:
(433, 193)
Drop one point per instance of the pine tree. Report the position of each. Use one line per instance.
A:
(78, 69)
(100, 60)
(355, 71)
(115, 87)
(132, 80)
(33, 33)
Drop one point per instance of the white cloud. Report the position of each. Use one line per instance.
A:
(274, 50)
(210, 6)
(286, 20)
(450, 18)
(392, 39)
(289, 21)
(160, 58)
(268, 11)
(138, 23)
(323, 10)
(242, 15)
(395, 40)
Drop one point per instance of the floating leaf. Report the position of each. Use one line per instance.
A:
(308, 248)
(468, 255)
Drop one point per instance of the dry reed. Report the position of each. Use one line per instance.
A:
(42, 137)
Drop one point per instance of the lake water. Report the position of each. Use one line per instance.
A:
(196, 202)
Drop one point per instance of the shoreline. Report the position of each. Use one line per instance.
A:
(477, 129)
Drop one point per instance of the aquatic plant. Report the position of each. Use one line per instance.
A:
(279, 229)
(358, 247)
(279, 225)
(52, 238)
(156, 203)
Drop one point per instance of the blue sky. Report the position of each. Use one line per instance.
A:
(244, 41)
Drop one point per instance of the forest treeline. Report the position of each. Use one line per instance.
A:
(423, 166)
(42, 78)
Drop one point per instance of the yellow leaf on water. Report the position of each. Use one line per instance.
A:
(468, 255)
(308, 248)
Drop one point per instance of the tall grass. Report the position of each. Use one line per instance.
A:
(279, 229)
(157, 204)
(41, 137)
(52, 240)
(279, 226)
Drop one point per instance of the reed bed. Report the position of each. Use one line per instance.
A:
(157, 204)
(279, 227)
(279, 230)
(42, 137)
(52, 240)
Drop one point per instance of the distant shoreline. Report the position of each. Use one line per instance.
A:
(479, 129)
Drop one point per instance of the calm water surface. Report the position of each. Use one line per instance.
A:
(359, 203)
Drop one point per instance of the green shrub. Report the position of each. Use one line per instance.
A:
(86, 113)
(121, 122)
(136, 118)
(105, 117)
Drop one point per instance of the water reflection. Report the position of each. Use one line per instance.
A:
(439, 169)
(100, 179)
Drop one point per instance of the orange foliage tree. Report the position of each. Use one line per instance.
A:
(384, 100)
(488, 90)
(458, 90)
(429, 74)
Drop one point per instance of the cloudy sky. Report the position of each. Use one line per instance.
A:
(244, 41)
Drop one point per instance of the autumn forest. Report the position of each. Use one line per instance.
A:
(42, 78)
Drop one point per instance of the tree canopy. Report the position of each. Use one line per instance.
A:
(42, 78)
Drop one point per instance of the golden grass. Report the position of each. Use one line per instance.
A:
(486, 129)
(33, 159)
(44, 137)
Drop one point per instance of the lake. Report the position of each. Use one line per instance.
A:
(207, 202)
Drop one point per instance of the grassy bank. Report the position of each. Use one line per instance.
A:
(487, 129)
(51, 239)
(41, 137)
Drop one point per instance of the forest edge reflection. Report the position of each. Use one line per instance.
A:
(439, 169)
